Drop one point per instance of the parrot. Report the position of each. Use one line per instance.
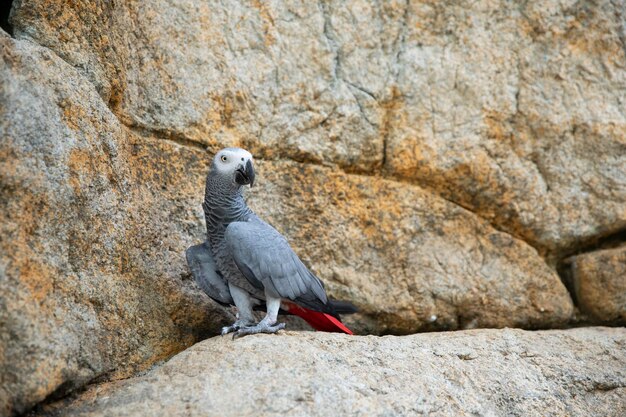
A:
(247, 263)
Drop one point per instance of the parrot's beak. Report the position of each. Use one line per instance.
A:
(245, 174)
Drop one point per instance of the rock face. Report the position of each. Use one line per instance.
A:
(97, 220)
(431, 162)
(515, 111)
(598, 280)
(579, 372)
(93, 222)
(408, 259)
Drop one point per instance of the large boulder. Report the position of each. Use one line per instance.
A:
(514, 111)
(93, 225)
(578, 372)
(96, 218)
(254, 73)
(410, 260)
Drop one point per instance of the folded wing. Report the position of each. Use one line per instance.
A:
(265, 258)
(206, 275)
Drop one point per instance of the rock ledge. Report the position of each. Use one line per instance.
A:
(478, 372)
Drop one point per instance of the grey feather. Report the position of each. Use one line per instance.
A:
(223, 206)
(269, 259)
(250, 253)
(206, 275)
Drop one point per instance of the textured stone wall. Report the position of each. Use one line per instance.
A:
(433, 162)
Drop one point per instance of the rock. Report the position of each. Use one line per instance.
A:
(431, 162)
(514, 111)
(249, 74)
(598, 279)
(408, 259)
(94, 222)
(579, 372)
(96, 217)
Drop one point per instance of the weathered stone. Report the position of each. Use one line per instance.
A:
(257, 74)
(513, 110)
(580, 372)
(598, 279)
(95, 220)
(408, 259)
(516, 111)
(93, 224)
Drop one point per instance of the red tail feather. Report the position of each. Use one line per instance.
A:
(319, 321)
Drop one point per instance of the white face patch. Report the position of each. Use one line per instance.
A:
(228, 160)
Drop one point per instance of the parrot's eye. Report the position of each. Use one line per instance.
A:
(224, 158)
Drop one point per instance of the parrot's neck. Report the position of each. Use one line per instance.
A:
(223, 204)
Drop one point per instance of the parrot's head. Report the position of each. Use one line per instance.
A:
(234, 164)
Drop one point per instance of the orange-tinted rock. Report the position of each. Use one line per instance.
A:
(94, 221)
(411, 261)
(254, 74)
(515, 112)
(599, 282)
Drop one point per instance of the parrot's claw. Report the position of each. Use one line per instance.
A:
(229, 329)
(234, 327)
(259, 328)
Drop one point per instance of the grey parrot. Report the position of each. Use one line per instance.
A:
(248, 263)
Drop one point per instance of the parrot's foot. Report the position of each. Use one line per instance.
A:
(239, 324)
(262, 327)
